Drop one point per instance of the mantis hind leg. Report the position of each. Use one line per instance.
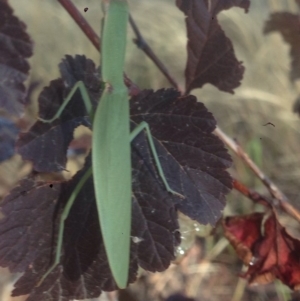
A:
(145, 126)
(85, 96)
(63, 217)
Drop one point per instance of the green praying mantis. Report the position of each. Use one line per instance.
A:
(111, 151)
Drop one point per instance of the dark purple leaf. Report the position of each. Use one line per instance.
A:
(8, 136)
(46, 144)
(193, 159)
(288, 25)
(154, 221)
(15, 49)
(29, 231)
(219, 5)
(211, 57)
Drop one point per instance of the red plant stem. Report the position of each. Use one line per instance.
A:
(282, 200)
(251, 194)
(82, 23)
(143, 45)
(133, 89)
(279, 199)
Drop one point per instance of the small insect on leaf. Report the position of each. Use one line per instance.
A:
(86, 9)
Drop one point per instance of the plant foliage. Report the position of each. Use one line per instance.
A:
(194, 161)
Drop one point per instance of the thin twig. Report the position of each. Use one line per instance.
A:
(143, 45)
(251, 194)
(277, 194)
(81, 21)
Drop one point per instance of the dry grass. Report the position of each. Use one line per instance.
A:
(209, 270)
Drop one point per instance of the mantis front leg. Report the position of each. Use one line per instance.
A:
(145, 126)
(85, 96)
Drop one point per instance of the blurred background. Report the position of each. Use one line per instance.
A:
(207, 268)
